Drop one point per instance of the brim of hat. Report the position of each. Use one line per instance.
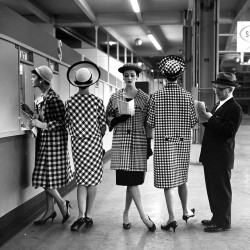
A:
(230, 84)
(95, 71)
(176, 75)
(124, 68)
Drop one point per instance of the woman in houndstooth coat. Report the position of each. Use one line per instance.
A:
(131, 140)
(85, 120)
(172, 114)
(52, 169)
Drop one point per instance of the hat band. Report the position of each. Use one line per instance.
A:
(83, 83)
(224, 80)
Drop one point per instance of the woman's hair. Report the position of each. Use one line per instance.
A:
(39, 77)
(172, 79)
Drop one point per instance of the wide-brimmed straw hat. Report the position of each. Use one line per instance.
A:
(83, 74)
(172, 66)
(130, 66)
(227, 78)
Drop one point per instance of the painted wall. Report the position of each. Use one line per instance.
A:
(17, 147)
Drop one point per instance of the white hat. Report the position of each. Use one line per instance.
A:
(83, 74)
(45, 73)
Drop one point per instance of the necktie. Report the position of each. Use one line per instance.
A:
(215, 107)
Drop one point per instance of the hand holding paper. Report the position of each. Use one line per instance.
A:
(126, 108)
(201, 112)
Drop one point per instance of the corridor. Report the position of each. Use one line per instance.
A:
(107, 232)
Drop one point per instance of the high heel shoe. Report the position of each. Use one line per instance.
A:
(41, 222)
(172, 224)
(67, 215)
(153, 227)
(89, 221)
(126, 226)
(77, 224)
(186, 217)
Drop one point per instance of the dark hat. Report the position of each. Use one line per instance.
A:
(83, 74)
(130, 66)
(172, 66)
(227, 78)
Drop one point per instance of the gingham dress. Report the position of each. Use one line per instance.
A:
(172, 114)
(85, 116)
(129, 145)
(52, 168)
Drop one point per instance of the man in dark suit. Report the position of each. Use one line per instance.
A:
(217, 151)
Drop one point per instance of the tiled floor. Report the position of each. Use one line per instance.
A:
(107, 232)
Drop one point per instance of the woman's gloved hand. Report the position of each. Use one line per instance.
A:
(149, 149)
(118, 119)
(38, 124)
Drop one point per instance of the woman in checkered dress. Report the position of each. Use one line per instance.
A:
(85, 120)
(52, 169)
(172, 114)
(131, 141)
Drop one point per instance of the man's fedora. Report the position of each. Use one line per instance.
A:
(227, 78)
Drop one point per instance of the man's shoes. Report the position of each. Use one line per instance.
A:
(207, 223)
(214, 229)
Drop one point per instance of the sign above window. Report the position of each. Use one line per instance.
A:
(243, 36)
(25, 55)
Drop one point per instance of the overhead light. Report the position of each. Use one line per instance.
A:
(138, 42)
(154, 41)
(111, 43)
(139, 64)
(135, 6)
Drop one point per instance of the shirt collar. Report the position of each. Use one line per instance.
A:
(229, 97)
(46, 92)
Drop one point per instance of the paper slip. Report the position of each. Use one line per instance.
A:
(25, 118)
(26, 121)
(200, 107)
(126, 108)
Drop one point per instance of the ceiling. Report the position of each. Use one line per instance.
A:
(162, 18)
(76, 22)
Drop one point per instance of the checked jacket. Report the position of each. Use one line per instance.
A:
(52, 168)
(129, 145)
(172, 114)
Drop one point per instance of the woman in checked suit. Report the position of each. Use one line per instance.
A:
(52, 169)
(131, 141)
(172, 114)
(85, 120)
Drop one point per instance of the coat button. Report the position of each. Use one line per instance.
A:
(128, 131)
(181, 139)
(166, 139)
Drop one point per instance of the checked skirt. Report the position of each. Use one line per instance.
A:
(87, 158)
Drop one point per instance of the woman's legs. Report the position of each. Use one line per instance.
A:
(85, 198)
(58, 199)
(183, 194)
(49, 206)
(91, 194)
(136, 196)
(128, 203)
(81, 200)
(169, 196)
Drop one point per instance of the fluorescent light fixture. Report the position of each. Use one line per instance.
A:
(153, 40)
(135, 6)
